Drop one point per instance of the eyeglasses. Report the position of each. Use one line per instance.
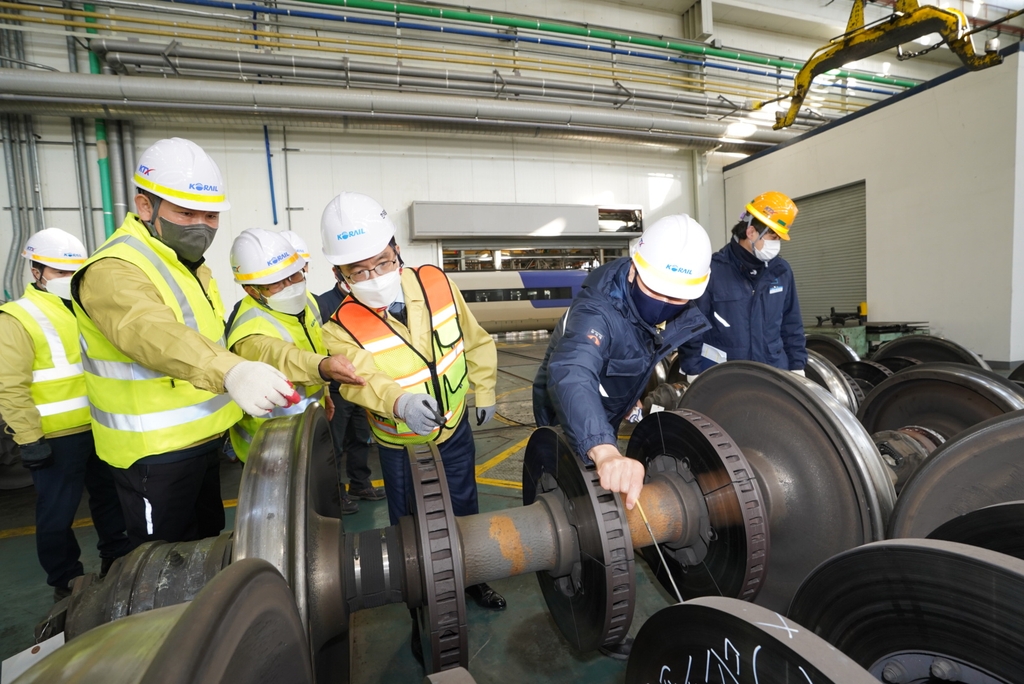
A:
(378, 270)
(274, 288)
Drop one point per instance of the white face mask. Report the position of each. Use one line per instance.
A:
(60, 287)
(379, 292)
(769, 251)
(291, 300)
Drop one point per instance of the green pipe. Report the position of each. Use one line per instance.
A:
(568, 29)
(102, 160)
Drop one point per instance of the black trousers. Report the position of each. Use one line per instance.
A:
(351, 433)
(58, 493)
(177, 501)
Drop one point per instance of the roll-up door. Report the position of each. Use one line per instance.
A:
(828, 251)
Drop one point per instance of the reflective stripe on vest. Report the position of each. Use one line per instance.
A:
(139, 411)
(253, 319)
(443, 376)
(58, 382)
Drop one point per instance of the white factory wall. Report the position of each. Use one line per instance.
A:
(944, 204)
(394, 169)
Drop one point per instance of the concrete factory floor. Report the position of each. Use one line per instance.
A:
(515, 645)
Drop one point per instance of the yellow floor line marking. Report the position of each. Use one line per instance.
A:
(484, 467)
(507, 484)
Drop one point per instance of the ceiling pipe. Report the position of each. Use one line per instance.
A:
(586, 31)
(119, 54)
(510, 37)
(125, 95)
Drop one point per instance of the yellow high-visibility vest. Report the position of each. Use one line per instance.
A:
(444, 376)
(255, 319)
(138, 411)
(58, 383)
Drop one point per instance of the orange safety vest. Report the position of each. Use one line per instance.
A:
(443, 376)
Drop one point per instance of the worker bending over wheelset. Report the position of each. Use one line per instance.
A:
(278, 323)
(43, 401)
(629, 315)
(751, 303)
(410, 334)
(162, 386)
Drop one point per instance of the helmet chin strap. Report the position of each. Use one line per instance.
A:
(154, 202)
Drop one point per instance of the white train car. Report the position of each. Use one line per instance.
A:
(512, 301)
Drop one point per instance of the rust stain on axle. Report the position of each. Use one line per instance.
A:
(664, 512)
(510, 542)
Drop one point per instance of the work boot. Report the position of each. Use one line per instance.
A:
(486, 597)
(348, 506)
(61, 592)
(367, 494)
(619, 651)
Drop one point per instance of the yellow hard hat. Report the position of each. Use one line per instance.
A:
(774, 210)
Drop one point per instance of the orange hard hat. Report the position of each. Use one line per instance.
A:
(774, 210)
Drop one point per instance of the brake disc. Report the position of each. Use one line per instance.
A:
(918, 610)
(867, 374)
(836, 351)
(897, 363)
(592, 605)
(825, 373)
(929, 349)
(734, 555)
(978, 468)
(947, 398)
(999, 527)
(727, 641)
(825, 486)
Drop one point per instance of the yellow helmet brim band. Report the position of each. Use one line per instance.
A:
(59, 260)
(667, 276)
(279, 266)
(179, 194)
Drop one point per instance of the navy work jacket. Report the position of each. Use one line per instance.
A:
(599, 359)
(752, 318)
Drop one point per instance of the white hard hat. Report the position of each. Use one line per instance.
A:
(297, 242)
(354, 227)
(181, 172)
(260, 257)
(55, 248)
(673, 257)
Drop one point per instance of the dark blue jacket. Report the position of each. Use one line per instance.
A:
(754, 318)
(600, 357)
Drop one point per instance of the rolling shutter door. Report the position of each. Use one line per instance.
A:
(828, 251)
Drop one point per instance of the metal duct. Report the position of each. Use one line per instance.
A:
(128, 159)
(125, 97)
(17, 238)
(117, 185)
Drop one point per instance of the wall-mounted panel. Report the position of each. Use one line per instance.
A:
(438, 220)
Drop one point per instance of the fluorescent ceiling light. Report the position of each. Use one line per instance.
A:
(740, 129)
(976, 7)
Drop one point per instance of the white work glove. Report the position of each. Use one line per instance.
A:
(420, 412)
(259, 388)
(484, 414)
(690, 379)
(799, 372)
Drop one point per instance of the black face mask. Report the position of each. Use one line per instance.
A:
(652, 311)
(188, 242)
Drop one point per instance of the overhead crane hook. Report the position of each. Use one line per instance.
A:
(909, 21)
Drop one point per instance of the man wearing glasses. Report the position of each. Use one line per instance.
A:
(277, 323)
(410, 334)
